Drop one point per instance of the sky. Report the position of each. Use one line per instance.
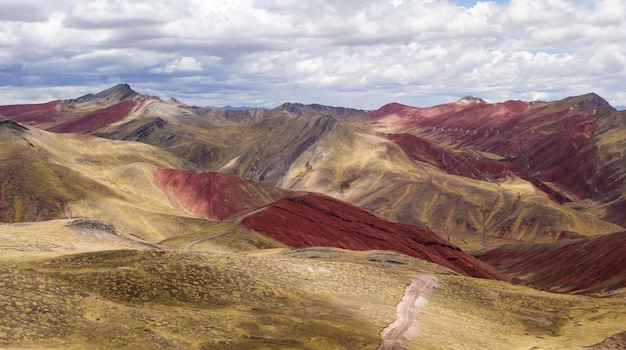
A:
(351, 53)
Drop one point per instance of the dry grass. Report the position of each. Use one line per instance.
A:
(314, 298)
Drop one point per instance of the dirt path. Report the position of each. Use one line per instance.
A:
(192, 243)
(394, 336)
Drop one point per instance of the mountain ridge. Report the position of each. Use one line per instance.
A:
(131, 222)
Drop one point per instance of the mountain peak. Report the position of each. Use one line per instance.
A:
(11, 125)
(595, 100)
(590, 100)
(300, 109)
(469, 100)
(119, 92)
(116, 93)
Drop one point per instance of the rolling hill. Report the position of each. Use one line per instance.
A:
(131, 222)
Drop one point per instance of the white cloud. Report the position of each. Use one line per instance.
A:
(342, 52)
(185, 64)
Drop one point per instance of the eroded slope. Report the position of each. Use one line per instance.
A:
(376, 174)
(570, 148)
(213, 195)
(589, 265)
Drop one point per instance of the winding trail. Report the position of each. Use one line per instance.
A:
(203, 239)
(394, 336)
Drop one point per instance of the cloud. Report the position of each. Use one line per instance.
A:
(341, 52)
(28, 11)
(185, 64)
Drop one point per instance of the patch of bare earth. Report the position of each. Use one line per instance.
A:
(397, 334)
(617, 341)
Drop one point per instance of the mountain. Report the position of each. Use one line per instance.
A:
(587, 265)
(131, 222)
(232, 108)
(569, 149)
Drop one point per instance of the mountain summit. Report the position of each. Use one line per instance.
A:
(469, 99)
(116, 93)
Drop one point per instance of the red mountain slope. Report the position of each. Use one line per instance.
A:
(586, 265)
(463, 163)
(308, 220)
(214, 195)
(83, 115)
(574, 143)
(29, 113)
(312, 220)
(97, 119)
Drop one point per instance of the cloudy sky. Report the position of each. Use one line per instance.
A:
(353, 53)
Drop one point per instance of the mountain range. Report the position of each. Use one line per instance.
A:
(133, 222)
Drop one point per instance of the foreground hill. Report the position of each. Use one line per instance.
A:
(52, 176)
(154, 299)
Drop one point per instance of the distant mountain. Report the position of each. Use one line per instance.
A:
(569, 149)
(127, 221)
(232, 108)
(300, 110)
(548, 150)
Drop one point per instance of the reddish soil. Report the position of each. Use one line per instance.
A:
(587, 265)
(616, 213)
(451, 115)
(97, 119)
(311, 220)
(39, 113)
(467, 164)
(457, 163)
(541, 142)
(214, 195)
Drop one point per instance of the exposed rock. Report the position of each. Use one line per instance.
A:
(118, 92)
(92, 224)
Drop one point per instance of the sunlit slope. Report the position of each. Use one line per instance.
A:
(374, 173)
(51, 176)
(309, 299)
(214, 195)
(465, 313)
(40, 239)
(156, 299)
(573, 147)
(299, 220)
